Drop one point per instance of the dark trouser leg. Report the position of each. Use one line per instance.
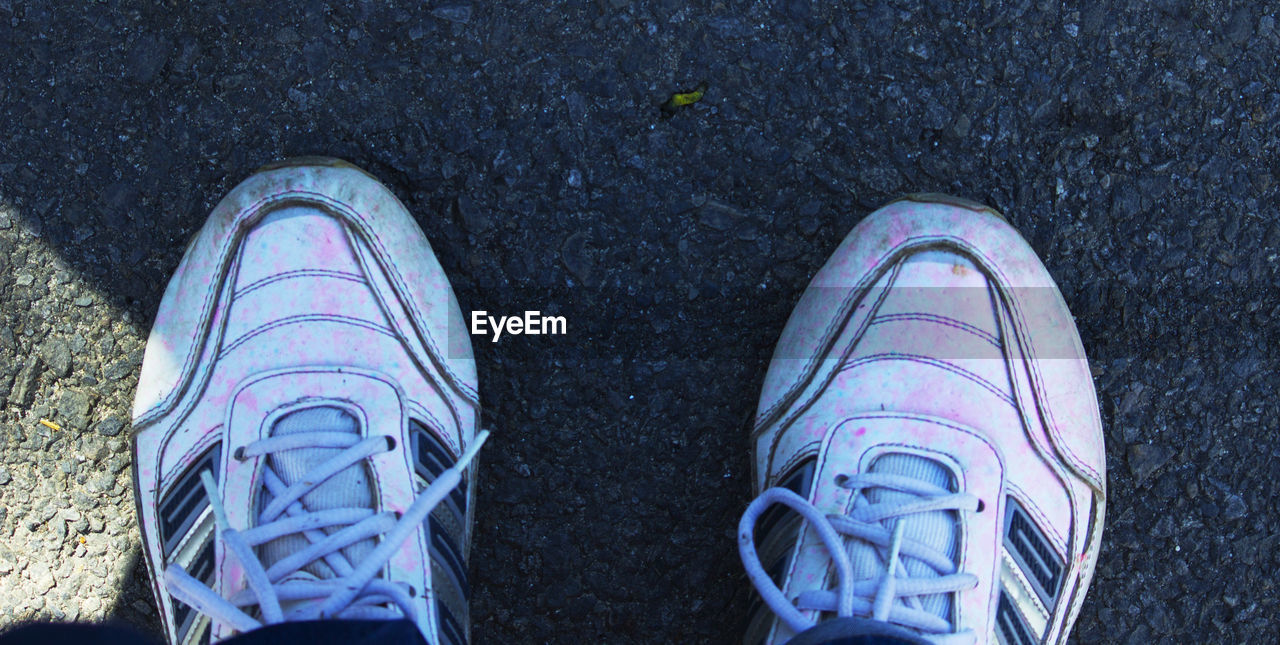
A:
(855, 631)
(320, 632)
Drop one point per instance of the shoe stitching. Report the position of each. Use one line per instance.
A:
(840, 320)
(1042, 444)
(1080, 572)
(302, 318)
(200, 381)
(925, 360)
(207, 439)
(1096, 483)
(1037, 382)
(800, 454)
(401, 288)
(430, 420)
(1045, 524)
(1079, 569)
(389, 310)
(797, 388)
(204, 323)
(232, 235)
(941, 320)
(297, 273)
(1015, 311)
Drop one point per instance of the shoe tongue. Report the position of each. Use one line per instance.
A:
(346, 489)
(937, 529)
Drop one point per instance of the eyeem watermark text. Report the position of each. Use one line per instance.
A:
(532, 323)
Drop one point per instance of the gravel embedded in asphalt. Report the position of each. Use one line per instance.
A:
(1134, 144)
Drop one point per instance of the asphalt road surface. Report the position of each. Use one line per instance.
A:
(1134, 144)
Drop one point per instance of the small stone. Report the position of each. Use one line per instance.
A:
(298, 97)
(5, 477)
(74, 408)
(41, 577)
(57, 355)
(288, 36)
(24, 385)
(454, 12)
(807, 226)
(573, 254)
(110, 426)
(103, 483)
(82, 500)
(799, 9)
(720, 216)
(1125, 203)
(117, 370)
(1240, 27)
(145, 59)
(118, 463)
(1236, 507)
(232, 82)
(473, 219)
(729, 27)
(25, 279)
(1146, 459)
(577, 105)
(84, 301)
(575, 178)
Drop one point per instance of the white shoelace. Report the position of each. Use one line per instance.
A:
(354, 593)
(893, 597)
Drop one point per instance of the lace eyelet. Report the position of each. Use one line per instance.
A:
(981, 505)
(391, 442)
(413, 591)
(238, 454)
(842, 481)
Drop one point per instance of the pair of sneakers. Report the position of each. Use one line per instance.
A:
(306, 424)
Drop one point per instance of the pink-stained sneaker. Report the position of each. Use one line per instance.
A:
(930, 418)
(306, 416)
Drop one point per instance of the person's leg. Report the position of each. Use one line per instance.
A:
(856, 631)
(324, 632)
(930, 422)
(74, 634)
(333, 632)
(305, 419)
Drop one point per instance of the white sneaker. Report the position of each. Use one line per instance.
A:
(310, 365)
(930, 416)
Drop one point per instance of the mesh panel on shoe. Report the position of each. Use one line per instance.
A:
(936, 529)
(350, 488)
